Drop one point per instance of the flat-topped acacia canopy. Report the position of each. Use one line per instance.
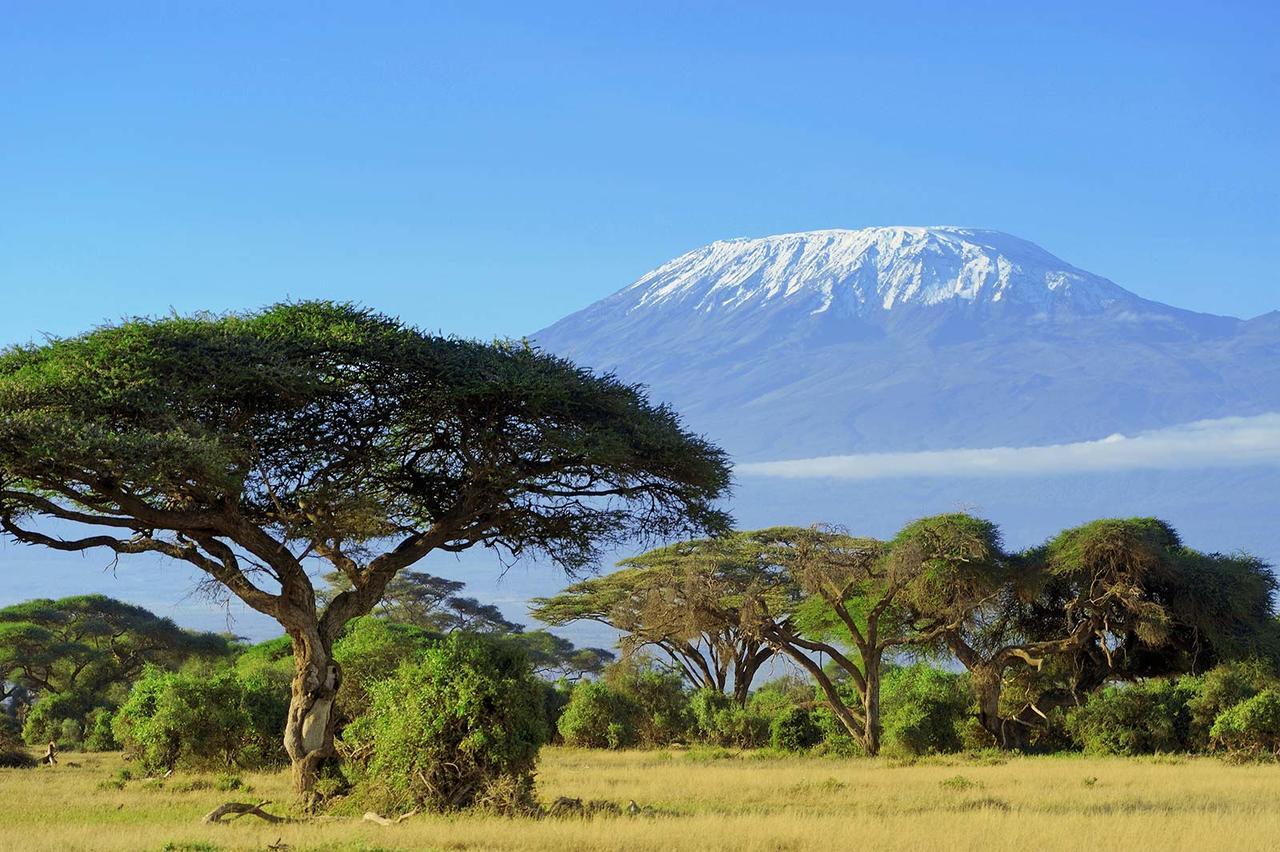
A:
(245, 444)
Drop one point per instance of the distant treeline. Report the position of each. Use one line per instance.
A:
(1060, 645)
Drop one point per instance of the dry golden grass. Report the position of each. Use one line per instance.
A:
(738, 802)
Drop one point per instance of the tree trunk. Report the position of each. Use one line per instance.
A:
(988, 682)
(871, 702)
(309, 731)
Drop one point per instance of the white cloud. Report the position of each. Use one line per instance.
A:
(1230, 441)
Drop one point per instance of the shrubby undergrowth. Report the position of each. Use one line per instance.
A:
(202, 720)
(459, 726)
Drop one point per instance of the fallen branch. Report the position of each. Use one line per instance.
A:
(234, 810)
(381, 820)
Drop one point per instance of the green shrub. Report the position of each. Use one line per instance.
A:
(98, 735)
(738, 727)
(201, 721)
(372, 649)
(793, 729)
(704, 704)
(71, 735)
(1250, 728)
(1218, 690)
(599, 716)
(58, 717)
(1138, 718)
(924, 710)
(13, 754)
(721, 722)
(661, 703)
(555, 698)
(780, 695)
(460, 727)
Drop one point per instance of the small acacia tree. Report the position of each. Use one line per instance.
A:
(89, 643)
(427, 601)
(648, 604)
(795, 591)
(247, 444)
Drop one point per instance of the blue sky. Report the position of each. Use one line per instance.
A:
(484, 169)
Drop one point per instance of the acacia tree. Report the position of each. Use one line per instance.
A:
(553, 656)
(1177, 611)
(248, 444)
(89, 643)
(430, 602)
(1114, 599)
(647, 604)
(800, 592)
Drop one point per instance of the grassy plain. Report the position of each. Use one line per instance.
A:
(701, 800)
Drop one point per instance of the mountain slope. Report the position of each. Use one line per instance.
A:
(914, 338)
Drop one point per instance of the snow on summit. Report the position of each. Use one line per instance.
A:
(871, 269)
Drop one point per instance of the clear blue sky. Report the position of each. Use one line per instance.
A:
(485, 169)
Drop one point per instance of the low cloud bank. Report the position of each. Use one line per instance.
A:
(1226, 442)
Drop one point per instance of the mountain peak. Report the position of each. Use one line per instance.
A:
(899, 339)
(870, 270)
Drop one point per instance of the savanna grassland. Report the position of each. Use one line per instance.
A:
(700, 799)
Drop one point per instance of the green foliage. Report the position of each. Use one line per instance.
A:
(201, 721)
(92, 645)
(781, 694)
(459, 727)
(13, 755)
(662, 707)
(98, 735)
(372, 649)
(599, 715)
(952, 560)
(794, 729)
(58, 718)
(925, 710)
(552, 655)
(1220, 689)
(270, 660)
(673, 600)
(10, 730)
(1251, 729)
(1139, 718)
(721, 722)
(201, 408)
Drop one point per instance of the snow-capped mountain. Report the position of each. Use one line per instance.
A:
(870, 270)
(907, 338)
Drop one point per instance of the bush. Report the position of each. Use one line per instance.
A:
(58, 717)
(924, 710)
(202, 721)
(721, 722)
(599, 716)
(661, 703)
(372, 649)
(1220, 689)
(12, 753)
(270, 661)
(555, 698)
(738, 727)
(97, 734)
(1139, 718)
(460, 727)
(793, 729)
(1252, 727)
(780, 695)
